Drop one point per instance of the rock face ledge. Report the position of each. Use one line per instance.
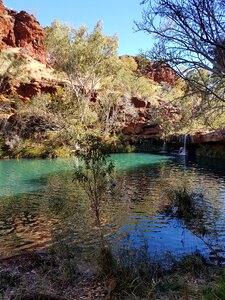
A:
(19, 29)
(157, 71)
(217, 135)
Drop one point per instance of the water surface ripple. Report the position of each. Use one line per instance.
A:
(39, 202)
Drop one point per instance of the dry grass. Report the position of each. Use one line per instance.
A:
(48, 276)
(56, 275)
(15, 64)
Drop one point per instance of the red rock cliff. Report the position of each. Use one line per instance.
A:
(217, 135)
(19, 29)
(1, 5)
(157, 71)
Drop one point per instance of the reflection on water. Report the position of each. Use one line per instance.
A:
(38, 200)
(21, 176)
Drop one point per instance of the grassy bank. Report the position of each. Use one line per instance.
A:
(56, 274)
(49, 148)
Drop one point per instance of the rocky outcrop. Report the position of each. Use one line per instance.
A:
(143, 131)
(23, 91)
(27, 90)
(139, 103)
(158, 71)
(143, 127)
(201, 137)
(1, 6)
(19, 29)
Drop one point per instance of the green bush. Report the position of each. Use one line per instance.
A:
(29, 149)
(181, 203)
(3, 153)
(218, 291)
(62, 151)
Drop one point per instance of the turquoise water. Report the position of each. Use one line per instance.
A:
(39, 202)
(21, 176)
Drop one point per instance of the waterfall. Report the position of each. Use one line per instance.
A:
(163, 150)
(185, 142)
(183, 150)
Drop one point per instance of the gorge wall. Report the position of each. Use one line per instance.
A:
(20, 29)
(159, 72)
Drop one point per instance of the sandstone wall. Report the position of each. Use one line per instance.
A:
(19, 29)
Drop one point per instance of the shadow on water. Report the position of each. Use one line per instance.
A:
(53, 205)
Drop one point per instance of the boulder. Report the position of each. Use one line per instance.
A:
(27, 90)
(139, 103)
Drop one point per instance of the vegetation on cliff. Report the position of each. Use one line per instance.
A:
(189, 35)
(96, 95)
(87, 87)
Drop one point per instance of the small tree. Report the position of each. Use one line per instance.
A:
(93, 173)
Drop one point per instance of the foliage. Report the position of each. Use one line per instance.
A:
(190, 36)
(63, 265)
(2, 148)
(56, 273)
(129, 62)
(97, 93)
(194, 264)
(218, 291)
(93, 173)
(30, 149)
(189, 207)
(140, 276)
(118, 143)
(62, 151)
(182, 202)
(34, 119)
(150, 146)
(96, 75)
(89, 59)
(136, 274)
(15, 64)
(143, 62)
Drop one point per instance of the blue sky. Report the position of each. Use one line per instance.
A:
(117, 16)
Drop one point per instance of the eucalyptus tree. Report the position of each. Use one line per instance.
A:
(190, 36)
(101, 82)
(89, 59)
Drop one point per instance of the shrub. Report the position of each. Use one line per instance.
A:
(62, 152)
(29, 149)
(218, 291)
(181, 203)
(93, 173)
